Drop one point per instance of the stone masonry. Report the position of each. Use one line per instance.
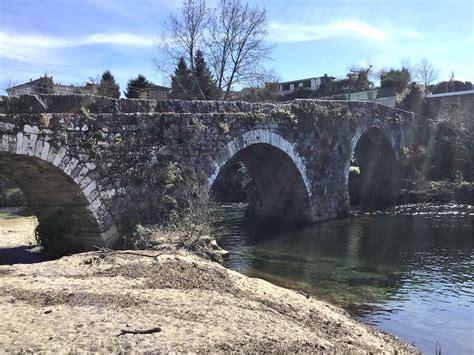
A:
(95, 160)
(457, 107)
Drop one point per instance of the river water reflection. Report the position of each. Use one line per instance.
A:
(408, 272)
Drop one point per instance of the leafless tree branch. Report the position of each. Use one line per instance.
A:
(425, 73)
(232, 35)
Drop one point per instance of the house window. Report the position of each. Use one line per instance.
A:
(285, 87)
(307, 83)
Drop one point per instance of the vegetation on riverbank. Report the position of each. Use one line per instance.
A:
(446, 191)
(442, 149)
(10, 195)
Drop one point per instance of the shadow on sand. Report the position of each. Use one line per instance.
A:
(20, 255)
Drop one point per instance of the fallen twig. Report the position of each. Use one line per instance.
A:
(128, 252)
(138, 331)
(304, 294)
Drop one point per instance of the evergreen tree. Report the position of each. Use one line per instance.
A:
(136, 84)
(107, 86)
(204, 86)
(195, 84)
(181, 82)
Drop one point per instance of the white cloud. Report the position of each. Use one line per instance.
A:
(291, 32)
(35, 54)
(38, 50)
(126, 39)
(48, 42)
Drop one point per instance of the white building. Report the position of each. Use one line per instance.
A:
(46, 85)
(154, 92)
(288, 87)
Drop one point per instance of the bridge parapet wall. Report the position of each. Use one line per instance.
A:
(456, 107)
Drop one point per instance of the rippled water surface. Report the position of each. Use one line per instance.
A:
(408, 271)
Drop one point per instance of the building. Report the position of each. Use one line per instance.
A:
(46, 85)
(154, 92)
(315, 83)
(42, 85)
(87, 89)
(452, 85)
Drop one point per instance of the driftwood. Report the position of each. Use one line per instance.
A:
(127, 252)
(304, 294)
(138, 331)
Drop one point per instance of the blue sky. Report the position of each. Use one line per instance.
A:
(73, 40)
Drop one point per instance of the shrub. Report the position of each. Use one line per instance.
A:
(412, 99)
(464, 192)
(140, 238)
(50, 233)
(12, 197)
(10, 194)
(284, 114)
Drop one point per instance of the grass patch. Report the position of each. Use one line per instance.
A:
(14, 213)
(7, 215)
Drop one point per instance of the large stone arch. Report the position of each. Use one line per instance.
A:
(279, 173)
(379, 179)
(56, 184)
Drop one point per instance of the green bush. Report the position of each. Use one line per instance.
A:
(140, 238)
(12, 197)
(464, 193)
(51, 232)
(412, 99)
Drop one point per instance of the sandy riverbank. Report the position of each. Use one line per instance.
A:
(17, 231)
(83, 302)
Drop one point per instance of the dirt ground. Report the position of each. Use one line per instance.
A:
(18, 231)
(90, 302)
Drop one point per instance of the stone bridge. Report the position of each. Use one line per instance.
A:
(88, 163)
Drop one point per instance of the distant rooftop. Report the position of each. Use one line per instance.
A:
(300, 80)
(155, 87)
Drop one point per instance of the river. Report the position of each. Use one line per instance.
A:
(407, 271)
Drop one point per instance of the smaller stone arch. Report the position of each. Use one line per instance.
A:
(277, 169)
(56, 184)
(254, 137)
(396, 139)
(376, 180)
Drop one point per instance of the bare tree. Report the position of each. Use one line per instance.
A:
(237, 43)
(425, 73)
(95, 80)
(232, 36)
(263, 88)
(263, 78)
(10, 82)
(182, 36)
(187, 28)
